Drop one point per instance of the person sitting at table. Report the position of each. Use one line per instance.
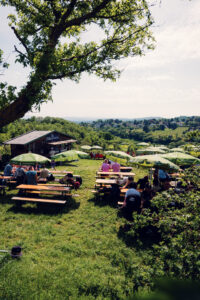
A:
(68, 179)
(46, 174)
(115, 167)
(142, 182)
(129, 181)
(8, 170)
(20, 175)
(132, 202)
(105, 167)
(31, 176)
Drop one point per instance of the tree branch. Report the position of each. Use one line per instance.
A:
(88, 16)
(21, 53)
(21, 40)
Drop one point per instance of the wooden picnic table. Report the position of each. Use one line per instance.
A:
(106, 181)
(46, 188)
(110, 173)
(7, 177)
(126, 169)
(60, 172)
(43, 189)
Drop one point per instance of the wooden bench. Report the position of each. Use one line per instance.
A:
(39, 200)
(48, 192)
(42, 180)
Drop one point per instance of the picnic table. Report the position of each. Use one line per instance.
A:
(125, 169)
(6, 177)
(110, 173)
(60, 172)
(106, 181)
(42, 189)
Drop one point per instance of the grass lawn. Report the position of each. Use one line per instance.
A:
(75, 253)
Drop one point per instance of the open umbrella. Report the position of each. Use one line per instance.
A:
(66, 156)
(29, 158)
(86, 147)
(181, 159)
(119, 154)
(154, 161)
(176, 150)
(96, 147)
(143, 144)
(82, 154)
(150, 150)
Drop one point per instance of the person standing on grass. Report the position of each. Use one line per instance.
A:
(53, 164)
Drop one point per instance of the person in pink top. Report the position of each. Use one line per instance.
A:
(105, 166)
(116, 167)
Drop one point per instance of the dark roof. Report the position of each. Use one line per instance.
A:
(27, 137)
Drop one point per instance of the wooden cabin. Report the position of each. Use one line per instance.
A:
(47, 143)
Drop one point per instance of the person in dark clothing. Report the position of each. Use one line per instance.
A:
(20, 175)
(147, 195)
(142, 182)
(132, 202)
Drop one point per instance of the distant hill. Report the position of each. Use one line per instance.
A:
(90, 120)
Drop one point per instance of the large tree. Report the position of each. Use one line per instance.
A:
(52, 44)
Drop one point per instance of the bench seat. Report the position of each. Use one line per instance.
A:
(39, 200)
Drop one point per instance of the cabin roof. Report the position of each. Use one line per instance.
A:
(27, 138)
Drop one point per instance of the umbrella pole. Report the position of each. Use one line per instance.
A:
(150, 175)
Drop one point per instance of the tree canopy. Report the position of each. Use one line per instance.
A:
(53, 45)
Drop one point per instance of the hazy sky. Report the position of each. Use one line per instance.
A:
(164, 82)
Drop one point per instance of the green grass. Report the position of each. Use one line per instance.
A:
(74, 253)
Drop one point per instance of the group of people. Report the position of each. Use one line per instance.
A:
(139, 194)
(30, 176)
(96, 155)
(109, 165)
(27, 175)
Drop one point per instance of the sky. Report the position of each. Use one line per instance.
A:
(163, 83)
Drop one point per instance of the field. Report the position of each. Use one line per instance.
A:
(75, 253)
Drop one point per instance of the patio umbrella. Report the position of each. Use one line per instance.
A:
(86, 147)
(176, 150)
(119, 154)
(29, 158)
(66, 156)
(96, 147)
(154, 161)
(150, 150)
(162, 147)
(181, 159)
(82, 154)
(143, 144)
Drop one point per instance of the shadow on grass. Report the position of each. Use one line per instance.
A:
(69, 164)
(44, 208)
(104, 201)
(6, 199)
